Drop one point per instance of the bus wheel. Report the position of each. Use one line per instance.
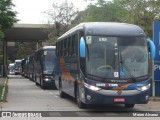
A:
(129, 105)
(36, 80)
(80, 104)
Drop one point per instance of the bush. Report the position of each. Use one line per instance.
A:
(3, 92)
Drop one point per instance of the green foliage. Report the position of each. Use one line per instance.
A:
(7, 16)
(1, 35)
(59, 19)
(103, 11)
(7, 19)
(139, 12)
(3, 91)
(142, 13)
(23, 50)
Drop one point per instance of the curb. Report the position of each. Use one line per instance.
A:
(154, 98)
(3, 90)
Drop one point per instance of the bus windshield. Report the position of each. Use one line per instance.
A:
(48, 62)
(17, 65)
(116, 57)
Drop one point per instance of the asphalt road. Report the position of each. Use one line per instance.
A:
(24, 95)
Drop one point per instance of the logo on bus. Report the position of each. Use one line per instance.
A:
(119, 92)
(106, 85)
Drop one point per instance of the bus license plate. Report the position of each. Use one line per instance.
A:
(119, 99)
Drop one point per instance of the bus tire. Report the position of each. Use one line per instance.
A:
(129, 105)
(36, 80)
(80, 104)
(36, 83)
(61, 93)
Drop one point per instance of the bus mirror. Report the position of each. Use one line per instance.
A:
(82, 48)
(152, 48)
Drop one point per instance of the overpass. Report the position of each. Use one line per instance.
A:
(23, 33)
(26, 33)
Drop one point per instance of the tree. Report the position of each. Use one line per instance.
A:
(60, 18)
(22, 52)
(142, 13)
(139, 12)
(105, 11)
(7, 19)
(7, 16)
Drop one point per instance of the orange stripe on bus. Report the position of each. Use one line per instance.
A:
(122, 87)
(65, 73)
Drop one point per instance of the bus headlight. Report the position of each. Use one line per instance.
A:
(91, 87)
(46, 79)
(144, 88)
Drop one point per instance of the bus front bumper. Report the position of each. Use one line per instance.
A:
(48, 82)
(116, 97)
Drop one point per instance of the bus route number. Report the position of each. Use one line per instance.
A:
(102, 39)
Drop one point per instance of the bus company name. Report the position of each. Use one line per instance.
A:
(119, 81)
(106, 85)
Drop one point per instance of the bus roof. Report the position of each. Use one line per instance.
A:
(107, 28)
(46, 47)
(11, 64)
(18, 60)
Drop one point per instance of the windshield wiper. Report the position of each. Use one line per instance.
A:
(127, 70)
(122, 65)
(87, 52)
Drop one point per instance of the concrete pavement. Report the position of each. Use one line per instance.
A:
(23, 94)
(156, 98)
(2, 80)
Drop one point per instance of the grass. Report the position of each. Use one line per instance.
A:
(3, 92)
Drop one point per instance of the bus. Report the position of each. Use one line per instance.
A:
(17, 66)
(24, 66)
(31, 67)
(44, 65)
(104, 63)
(11, 69)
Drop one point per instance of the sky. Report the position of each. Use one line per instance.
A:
(30, 11)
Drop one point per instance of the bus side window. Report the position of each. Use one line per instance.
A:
(64, 42)
(61, 48)
(57, 49)
(76, 44)
(72, 45)
(64, 47)
(66, 50)
(69, 45)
